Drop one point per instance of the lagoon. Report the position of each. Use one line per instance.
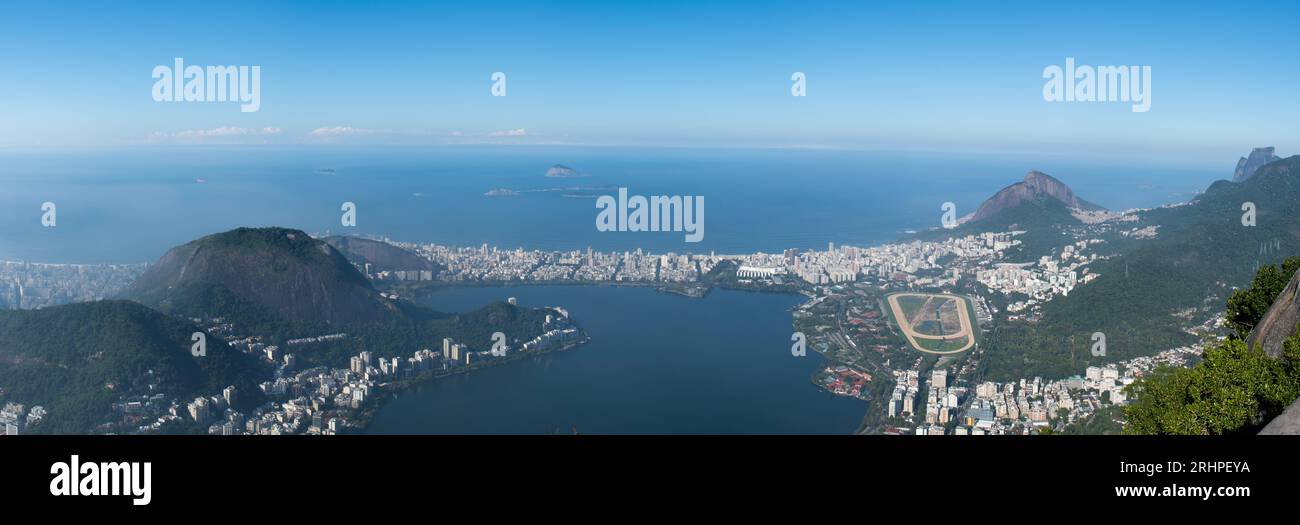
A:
(657, 363)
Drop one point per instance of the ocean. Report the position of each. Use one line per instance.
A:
(130, 206)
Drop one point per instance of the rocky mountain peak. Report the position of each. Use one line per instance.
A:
(1247, 166)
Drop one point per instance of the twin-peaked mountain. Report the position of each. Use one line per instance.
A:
(1039, 205)
(1247, 166)
(1034, 189)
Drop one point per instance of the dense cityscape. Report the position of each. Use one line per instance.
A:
(26, 285)
(316, 400)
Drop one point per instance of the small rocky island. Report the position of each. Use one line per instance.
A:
(561, 171)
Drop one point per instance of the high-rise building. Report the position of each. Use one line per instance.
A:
(939, 379)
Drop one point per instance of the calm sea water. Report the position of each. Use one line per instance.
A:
(131, 206)
(657, 364)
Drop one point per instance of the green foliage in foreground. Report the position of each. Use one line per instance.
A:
(1234, 390)
(1247, 307)
(1108, 420)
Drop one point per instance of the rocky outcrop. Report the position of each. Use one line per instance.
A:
(1280, 321)
(1247, 166)
(1036, 185)
(561, 171)
(1286, 424)
(1278, 324)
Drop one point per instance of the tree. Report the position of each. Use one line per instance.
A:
(1236, 389)
(1247, 307)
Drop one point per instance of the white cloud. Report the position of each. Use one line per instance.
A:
(223, 134)
(341, 131)
(224, 131)
(509, 133)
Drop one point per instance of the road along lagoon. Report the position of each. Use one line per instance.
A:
(933, 323)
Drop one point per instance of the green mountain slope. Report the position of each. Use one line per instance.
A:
(77, 359)
(268, 279)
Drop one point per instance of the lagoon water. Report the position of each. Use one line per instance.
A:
(657, 364)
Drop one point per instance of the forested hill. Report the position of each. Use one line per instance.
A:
(284, 273)
(77, 359)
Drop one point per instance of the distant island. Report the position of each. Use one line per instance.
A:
(570, 191)
(561, 171)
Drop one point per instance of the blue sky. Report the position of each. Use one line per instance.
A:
(951, 76)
